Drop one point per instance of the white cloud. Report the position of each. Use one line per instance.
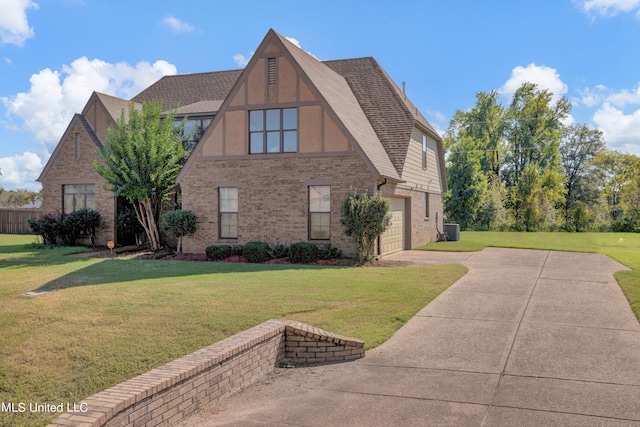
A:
(591, 97)
(14, 27)
(177, 25)
(54, 96)
(625, 97)
(20, 171)
(610, 7)
(297, 44)
(545, 77)
(242, 60)
(620, 130)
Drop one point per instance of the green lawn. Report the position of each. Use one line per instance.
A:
(109, 320)
(623, 247)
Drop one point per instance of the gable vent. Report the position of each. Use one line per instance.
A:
(271, 71)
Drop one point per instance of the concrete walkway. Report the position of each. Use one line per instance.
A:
(526, 338)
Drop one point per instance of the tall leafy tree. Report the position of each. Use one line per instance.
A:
(140, 162)
(612, 171)
(467, 184)
(580, 144)
(533, 132)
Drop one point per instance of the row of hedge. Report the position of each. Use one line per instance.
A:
(259, 252)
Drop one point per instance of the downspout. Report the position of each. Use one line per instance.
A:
(379, 243)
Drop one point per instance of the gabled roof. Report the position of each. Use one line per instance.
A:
(387, 108)
(184, 89)
(362, 96)
(114, 106)
(92, 135)
(200, 107)
(336, 92)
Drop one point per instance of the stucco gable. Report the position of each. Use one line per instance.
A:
(317, 81)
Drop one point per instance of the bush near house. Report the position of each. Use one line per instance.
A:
(218, 252)
(83, 222)
(256, 252)
(328, 252)
(179, 223)
(60, 229)
(303, 253)
(280, 251)
(365, 218)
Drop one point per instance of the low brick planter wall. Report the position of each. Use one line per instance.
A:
(172, 392)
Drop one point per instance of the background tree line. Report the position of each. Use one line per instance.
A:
(19, 197)
(518, 167)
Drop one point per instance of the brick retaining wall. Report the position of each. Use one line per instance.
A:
(170, 393)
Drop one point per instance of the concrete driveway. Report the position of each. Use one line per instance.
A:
(526, 338)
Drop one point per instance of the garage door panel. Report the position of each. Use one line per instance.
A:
(392, 240)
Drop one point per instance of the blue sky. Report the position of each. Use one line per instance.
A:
(54, 53)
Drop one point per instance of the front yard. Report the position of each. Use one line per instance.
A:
(109, 320)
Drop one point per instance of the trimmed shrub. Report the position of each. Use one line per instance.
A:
(83, 222)
(365, 218)
(179, 223)
(303, 253)
(280, 251)
(52, 229)
(328, 252)
(236, 250)
(256, 252)
(218, 252)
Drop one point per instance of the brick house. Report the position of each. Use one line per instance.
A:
(286, 139)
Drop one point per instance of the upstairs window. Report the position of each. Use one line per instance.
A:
(78, 196)
(192, 131)
(273, 131)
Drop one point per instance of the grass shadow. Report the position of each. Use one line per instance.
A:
(119, 271)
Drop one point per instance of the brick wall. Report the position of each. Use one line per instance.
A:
(172, 392)
(272, 197)
(65, 168)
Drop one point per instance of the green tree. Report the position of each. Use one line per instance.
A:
(613, 172)
(179, 223)
(533, 131)
(467, 187)
(580, 144)
(538, 191)
(140, 162)
(365, 218)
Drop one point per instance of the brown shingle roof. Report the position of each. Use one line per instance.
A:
(390, 113)
(335, 90)
(362, 95)
(115, 106)
(184, 89)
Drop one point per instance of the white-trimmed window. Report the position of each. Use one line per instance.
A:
(78, 196)
(228, 212)
(319, 212)
(273, 131)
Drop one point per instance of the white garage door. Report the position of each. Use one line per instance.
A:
(392, 240)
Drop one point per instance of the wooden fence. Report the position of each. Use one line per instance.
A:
(14, 220)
